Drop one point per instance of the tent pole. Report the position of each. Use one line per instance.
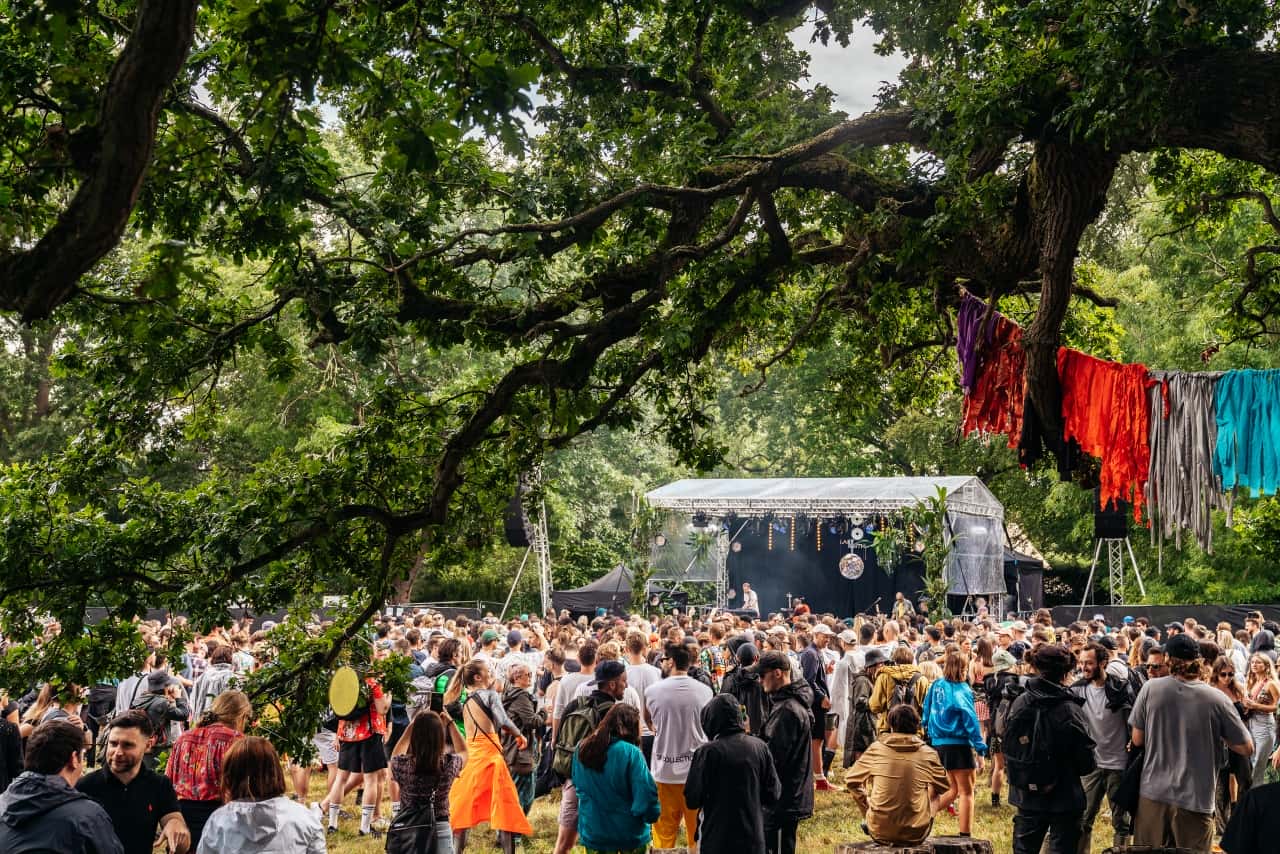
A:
(502, 616)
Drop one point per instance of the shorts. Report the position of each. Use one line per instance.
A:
(994, 745)
(362, 757)
(569, 806)
(956, 757)
(818, 729)
(327, 744)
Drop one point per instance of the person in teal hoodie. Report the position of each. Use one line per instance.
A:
(617, 797)
(951, 723)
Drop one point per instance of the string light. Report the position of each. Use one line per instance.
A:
(770, 526)
(819, 535)
(792, 533)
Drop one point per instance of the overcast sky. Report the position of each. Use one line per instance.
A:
(853, 73)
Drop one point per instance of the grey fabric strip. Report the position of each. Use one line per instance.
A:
(1182, 490)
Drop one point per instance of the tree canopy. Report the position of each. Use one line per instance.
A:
(471, 233)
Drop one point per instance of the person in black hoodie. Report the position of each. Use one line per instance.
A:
(730, 778)
(1062, 752)
(786, 731)
(41, 810)
(743, 683)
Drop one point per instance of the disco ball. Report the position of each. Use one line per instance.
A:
(851, 567)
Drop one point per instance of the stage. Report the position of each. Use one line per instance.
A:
(816, 538)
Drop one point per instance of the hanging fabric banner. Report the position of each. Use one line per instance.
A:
(1104, 408)
(991, 371)
(1247, 452)
(1182, 488)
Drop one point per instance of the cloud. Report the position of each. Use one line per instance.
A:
(854, 73)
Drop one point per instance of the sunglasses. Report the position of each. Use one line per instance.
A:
(1227, 673)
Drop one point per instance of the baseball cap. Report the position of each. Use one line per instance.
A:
(514, 638)
(607, 670)
(777, 630)
(822, 629)
(1177, 626)
(158, 680)
(1182, 647)
(1018, 626)
(847, 636)
(1002, 660)
(1099, 618)
(488, 636)
(1128, 621)
(748, 654)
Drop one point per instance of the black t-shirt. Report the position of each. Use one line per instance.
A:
(1255, 822)
(135, 809)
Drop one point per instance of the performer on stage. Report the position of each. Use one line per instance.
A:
(750, 599)
(903, 612)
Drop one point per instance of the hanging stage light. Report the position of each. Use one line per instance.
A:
(659, 541)
(819, 532)
(700, 520)
(793, 533)
(737, 546)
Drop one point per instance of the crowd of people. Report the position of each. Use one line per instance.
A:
(711, 731)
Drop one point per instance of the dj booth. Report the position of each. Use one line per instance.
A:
(816, 538)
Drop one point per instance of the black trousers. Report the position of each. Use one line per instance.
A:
(1031, 828)
(781, 838)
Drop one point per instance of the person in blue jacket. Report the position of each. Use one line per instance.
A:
(617, 797)
(951, 722)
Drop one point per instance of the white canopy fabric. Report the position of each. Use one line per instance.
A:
(975, 517)
(822, 495)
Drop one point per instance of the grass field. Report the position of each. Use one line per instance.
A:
(836, 819)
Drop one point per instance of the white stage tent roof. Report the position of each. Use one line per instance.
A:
(822, 495)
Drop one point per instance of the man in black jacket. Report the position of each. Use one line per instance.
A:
(786, 732)
(1063, 752)
(743, 682)
(41, 810)
(730, 778)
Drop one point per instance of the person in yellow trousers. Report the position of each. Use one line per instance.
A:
(673, 707)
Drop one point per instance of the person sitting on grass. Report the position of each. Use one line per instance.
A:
(898, 782)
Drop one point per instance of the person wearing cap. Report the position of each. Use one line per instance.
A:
(488, 647)
(673, 707)
(165, 705)
(813, 666)
(1003, 674)
(1181, 722)
(786, 732)
(860, 726)
(839, 681)
(743, 684)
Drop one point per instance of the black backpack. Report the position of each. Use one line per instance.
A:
(1028, 746)
(904, 692)
(157, 710)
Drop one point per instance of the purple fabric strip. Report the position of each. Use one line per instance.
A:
(968, 325)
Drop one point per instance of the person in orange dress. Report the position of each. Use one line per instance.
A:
(485, 791)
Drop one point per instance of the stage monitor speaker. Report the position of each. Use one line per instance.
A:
(1110, 523)
(516, 522)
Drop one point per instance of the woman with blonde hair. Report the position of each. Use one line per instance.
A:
(485, 791)
(1261, 696)
(196, 761)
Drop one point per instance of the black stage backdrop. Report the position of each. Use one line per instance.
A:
(1161, 615)
(815, 574)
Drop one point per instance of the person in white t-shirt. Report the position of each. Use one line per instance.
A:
(672, 707)
(750, 599)
(571, 682)
(640, 675)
